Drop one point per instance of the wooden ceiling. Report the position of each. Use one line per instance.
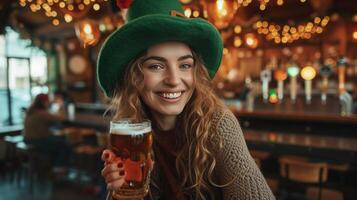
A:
(41, 26)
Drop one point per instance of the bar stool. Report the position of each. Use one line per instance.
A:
(295, 169)
(12, 164)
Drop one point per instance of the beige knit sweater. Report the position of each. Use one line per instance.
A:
(233, 160)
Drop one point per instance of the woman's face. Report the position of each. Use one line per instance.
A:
(168, 78)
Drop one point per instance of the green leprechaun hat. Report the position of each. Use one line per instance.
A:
(149, 22)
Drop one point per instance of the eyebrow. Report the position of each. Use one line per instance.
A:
(158, 58)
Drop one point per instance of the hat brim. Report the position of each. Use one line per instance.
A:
(130, 40)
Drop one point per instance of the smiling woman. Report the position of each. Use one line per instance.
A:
(168, 80)
(198, 144)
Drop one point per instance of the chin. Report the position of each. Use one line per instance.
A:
(170, 111)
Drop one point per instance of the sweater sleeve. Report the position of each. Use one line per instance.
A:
(235, 163)
(51, 118)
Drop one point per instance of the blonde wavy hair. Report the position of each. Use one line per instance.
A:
(195, 162)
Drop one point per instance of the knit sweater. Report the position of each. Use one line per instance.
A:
(233, 162)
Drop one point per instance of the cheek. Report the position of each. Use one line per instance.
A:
(149, 84)
(150, 81)
(190, 81)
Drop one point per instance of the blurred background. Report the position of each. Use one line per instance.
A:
(289, 74)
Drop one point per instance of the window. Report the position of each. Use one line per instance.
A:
(23, 75)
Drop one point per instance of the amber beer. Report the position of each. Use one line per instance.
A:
(132, 142)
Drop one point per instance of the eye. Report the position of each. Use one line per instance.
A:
(155, 67)
(185, 66)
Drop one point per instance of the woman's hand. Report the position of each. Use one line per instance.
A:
(113, 171)
(116, 170)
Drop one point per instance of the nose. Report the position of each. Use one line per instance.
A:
(172, 77)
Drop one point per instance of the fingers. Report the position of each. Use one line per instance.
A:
(114, 174)
(112, 168)
(115, 185)
(107, 155)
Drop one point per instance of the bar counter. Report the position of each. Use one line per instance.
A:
(326, 148)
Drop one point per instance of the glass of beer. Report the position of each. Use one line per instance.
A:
(132, 142)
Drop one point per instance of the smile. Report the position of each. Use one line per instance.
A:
(170, 95)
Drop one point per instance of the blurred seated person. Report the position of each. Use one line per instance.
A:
(59, 102)
(37, 131)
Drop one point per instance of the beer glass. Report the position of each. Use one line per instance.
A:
(132, 142)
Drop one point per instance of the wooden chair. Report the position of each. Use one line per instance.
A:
(341, 169)
(300, 170)
(328, 194)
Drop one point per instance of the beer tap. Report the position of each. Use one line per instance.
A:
(280, 75)
(341, 67)
(308, 73)
(346, 103)
(293, 71)
(265, 76)
(325, 72)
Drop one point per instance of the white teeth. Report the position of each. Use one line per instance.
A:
(171, 95)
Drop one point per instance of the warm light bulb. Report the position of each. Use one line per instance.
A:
(280, 2)
(62, 4)
(237, 41)
(308, 73)
(251, 40)
(196, 13)
(220, 12)
(188, 12)
(317, 20)
(237, 29)
(68, 18)
(96, 7)
(354, 35)
(87, 29)
(55, 22)
(81, 6)
(221, 7)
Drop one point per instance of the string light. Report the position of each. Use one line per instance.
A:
(262, 3)
(244, 2)
(237, 41)
(196, 13)
(251, 40)
(288, 34)
(237, 29)
(67, 8)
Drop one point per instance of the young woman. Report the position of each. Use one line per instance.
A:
(158, 67)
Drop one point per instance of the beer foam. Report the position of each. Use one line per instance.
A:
(129, 129)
